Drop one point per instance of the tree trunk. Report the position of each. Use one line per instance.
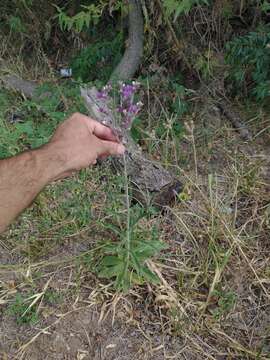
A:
(132, 56)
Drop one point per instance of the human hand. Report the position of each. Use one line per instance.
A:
(79, 141)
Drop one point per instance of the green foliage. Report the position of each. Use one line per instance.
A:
(179, 104)
(9, 139)
(225, 302)
(72, 214)
(16, 25)
(90, 15)
(136, 130)
(14, 138)
(227, 10)
(23, 312)
(40, 117)
(124, 260)
(98, 59)
(265, 6)
(126, 242)
(176, 8)
(24, 307)
(52, 297)
(64, 99)
(249, 58)
(26, 3)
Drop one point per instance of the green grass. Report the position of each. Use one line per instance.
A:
(21, 310)
(68, 208)
(204, 257)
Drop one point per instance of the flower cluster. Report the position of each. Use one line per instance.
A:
(127, 107)
(103, 94)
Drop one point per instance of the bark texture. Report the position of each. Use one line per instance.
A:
(132, 56)
(26, 87)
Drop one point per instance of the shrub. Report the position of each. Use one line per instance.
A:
(249, 60)
(99, 58)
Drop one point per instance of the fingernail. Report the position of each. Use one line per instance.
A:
(121, 149)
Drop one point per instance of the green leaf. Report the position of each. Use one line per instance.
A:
(145, 250)
(111, 248)
(123, 280)
(179, 7)
(136, 263)
(265, 6)
(149, 275)
(137, 279)
(110, 261)
(135, 131)
(112, 271)
(57, 115)
(16, 24)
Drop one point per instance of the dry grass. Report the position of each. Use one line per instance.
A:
(212, 301)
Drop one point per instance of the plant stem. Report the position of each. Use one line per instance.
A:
(127, 244)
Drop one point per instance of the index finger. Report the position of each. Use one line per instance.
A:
(104, 132)
(99, 130)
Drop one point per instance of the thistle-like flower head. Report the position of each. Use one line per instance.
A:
(127, 107)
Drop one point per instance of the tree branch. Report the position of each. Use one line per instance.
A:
(26, 87)
(233, 116)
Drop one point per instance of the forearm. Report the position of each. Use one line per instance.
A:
(21, 178)
(76, 144)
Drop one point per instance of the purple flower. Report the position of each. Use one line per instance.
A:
(102, 110)
(104, 93)
(120, 109)
(128, 90)
(133, 109)
(126, 108)
(101, 95)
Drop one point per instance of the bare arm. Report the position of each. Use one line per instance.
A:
(76, 144)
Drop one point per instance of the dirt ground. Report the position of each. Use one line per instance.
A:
(113, 329)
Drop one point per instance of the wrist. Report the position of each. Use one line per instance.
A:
(51, 164)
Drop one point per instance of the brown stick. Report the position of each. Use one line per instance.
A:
(232, 115)
(217, 92)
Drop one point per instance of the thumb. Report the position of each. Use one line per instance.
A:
(110, 148)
